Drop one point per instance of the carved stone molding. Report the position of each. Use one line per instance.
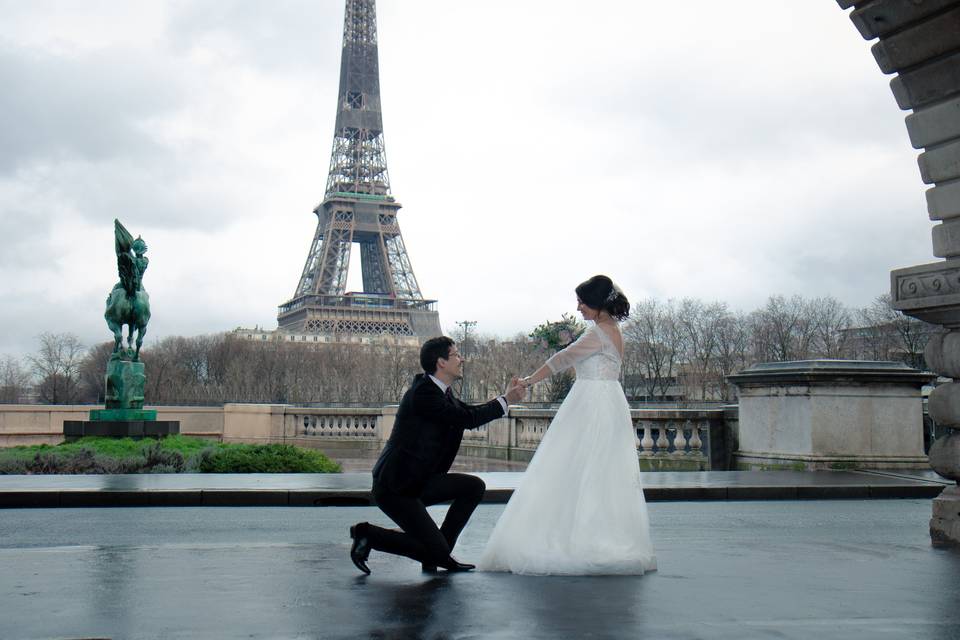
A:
(930, 292)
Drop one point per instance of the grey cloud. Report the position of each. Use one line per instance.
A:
(683, 115)
(24, 317)
(24, 233)
(85, 107)
(75, 129)
(282, 36)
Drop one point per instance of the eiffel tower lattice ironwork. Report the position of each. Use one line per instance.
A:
(359, 209)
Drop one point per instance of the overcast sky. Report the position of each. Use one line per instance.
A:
(726, 151)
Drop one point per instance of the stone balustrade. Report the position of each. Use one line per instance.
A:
(331, 423)
(356, 431)
(673, 442)
(667, 439)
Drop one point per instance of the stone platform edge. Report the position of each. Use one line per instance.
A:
(72, 498)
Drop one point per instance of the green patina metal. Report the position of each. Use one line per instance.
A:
(127, 305)
(360, 196)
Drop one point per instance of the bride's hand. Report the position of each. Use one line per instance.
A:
(515, 391)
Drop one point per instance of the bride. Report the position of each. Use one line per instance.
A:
(579, 508)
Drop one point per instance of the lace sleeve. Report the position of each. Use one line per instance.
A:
(586, 345)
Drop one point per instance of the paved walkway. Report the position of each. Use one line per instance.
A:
(346, 489)
(844, 569)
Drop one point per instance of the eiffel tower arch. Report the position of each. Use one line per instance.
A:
(358, 209)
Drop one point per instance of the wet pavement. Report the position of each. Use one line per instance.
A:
(736, 569)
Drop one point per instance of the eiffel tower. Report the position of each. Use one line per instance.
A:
(359, 209)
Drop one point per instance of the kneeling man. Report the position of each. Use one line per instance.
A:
(412, 471)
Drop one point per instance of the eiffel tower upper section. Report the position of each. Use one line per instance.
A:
(358, 209)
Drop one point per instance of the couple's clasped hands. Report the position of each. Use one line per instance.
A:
(516, 390)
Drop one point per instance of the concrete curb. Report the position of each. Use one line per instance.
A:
(68, 498)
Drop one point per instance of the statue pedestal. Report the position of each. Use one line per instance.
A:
(831, 414)
(136, 429)
(124, 415)
(125, 381)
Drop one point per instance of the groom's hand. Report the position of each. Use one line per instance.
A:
(515, 391)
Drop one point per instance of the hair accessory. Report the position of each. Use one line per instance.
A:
(614, 292)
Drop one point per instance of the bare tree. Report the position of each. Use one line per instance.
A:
(783, 330)
(399, 364)
(93, 371)
(701, 325)
(57, 367)
(653, 345)
(887, 334)
(733, 351)
(14, 381)
(831, 324)
(495, 361)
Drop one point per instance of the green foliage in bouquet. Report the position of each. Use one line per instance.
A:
(554, 336)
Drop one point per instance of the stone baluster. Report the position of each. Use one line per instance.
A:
(679, 440)
(695, 442)
(663, 444)
(646, 443)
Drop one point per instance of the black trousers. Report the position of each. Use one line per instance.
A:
(420, 539)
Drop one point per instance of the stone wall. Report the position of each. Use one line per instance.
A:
(29, 424)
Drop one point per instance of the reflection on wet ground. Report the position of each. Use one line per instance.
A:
(787, 569)
(463, 464)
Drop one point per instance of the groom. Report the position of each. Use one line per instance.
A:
(412, 471)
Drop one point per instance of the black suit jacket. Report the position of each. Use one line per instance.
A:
(426, 436)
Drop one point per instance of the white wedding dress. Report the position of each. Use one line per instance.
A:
(579, 508)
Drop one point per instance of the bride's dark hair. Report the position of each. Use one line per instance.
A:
(601, 294)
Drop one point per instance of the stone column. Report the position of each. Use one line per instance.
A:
(943, 355)
(919, 41)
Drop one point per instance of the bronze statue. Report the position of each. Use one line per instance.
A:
(128, 302)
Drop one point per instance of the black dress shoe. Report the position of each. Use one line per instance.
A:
(452, 565)
(360, 550)
(428, 568)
